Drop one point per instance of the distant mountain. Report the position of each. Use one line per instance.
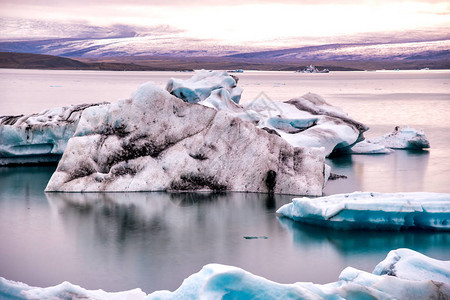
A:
(87, 41)
(176, 47)
(38, 61)
(129, 46)
(431, 50)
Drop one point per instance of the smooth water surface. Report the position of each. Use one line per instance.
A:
(120, 241)
(153, 241)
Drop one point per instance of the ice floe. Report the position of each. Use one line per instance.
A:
(40, 137)
(402, 138)
(390, 211)
(157, 142)
(365, 147)
(411, 265)
(404, 274)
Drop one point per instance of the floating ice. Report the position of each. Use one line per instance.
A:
(38, 137)
(411, 265)
(307, 121)
(365, 147)
(157, 142)
(404, 274)
(17, 290)
(404, 138)
(199, 87)
(373, 210)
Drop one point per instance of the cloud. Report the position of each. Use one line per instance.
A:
(178, 3)
(235, 21)
(19, 28)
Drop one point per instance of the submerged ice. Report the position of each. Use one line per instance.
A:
(404, 274)
(391, 211)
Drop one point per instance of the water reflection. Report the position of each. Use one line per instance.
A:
(19, 182)
(142, 212)
(143, 234)
(349, 243)
(401, 171)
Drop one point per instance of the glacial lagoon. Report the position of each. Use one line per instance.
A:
(155, 240)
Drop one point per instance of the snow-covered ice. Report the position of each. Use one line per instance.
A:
(411, 265)
(66, 290)
(157, 142)
(38, 137)
(403, 138)
(199, 87)
(404, 274)
(391, 211)
(307, 121)
(365, 147)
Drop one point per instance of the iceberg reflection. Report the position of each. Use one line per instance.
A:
(349, 243)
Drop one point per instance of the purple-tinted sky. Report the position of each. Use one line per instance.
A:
(237, 21)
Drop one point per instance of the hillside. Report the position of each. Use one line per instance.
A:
(158, 63)
(38, 61)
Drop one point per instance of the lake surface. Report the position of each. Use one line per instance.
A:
(153, 241)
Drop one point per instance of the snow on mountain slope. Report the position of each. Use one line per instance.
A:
(175, 45)
(167, 45)
(407, 50)
(84, 40)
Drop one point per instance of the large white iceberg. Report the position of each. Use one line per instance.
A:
(157, 142)
(307, 121)
(40, 137)
(392, 211)
(404, 274)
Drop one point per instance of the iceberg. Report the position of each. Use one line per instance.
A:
(365, 210)
(312, 69)
(199, 87)
(307, 121)
(411, 265)
(38, 138)
(18, 290)
(157, 142)
(404, 274)
(403, 138)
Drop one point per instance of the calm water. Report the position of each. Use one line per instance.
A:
(155, 240)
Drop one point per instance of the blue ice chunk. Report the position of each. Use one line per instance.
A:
(388, 211)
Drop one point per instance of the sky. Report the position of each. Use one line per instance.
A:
(249, 21)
